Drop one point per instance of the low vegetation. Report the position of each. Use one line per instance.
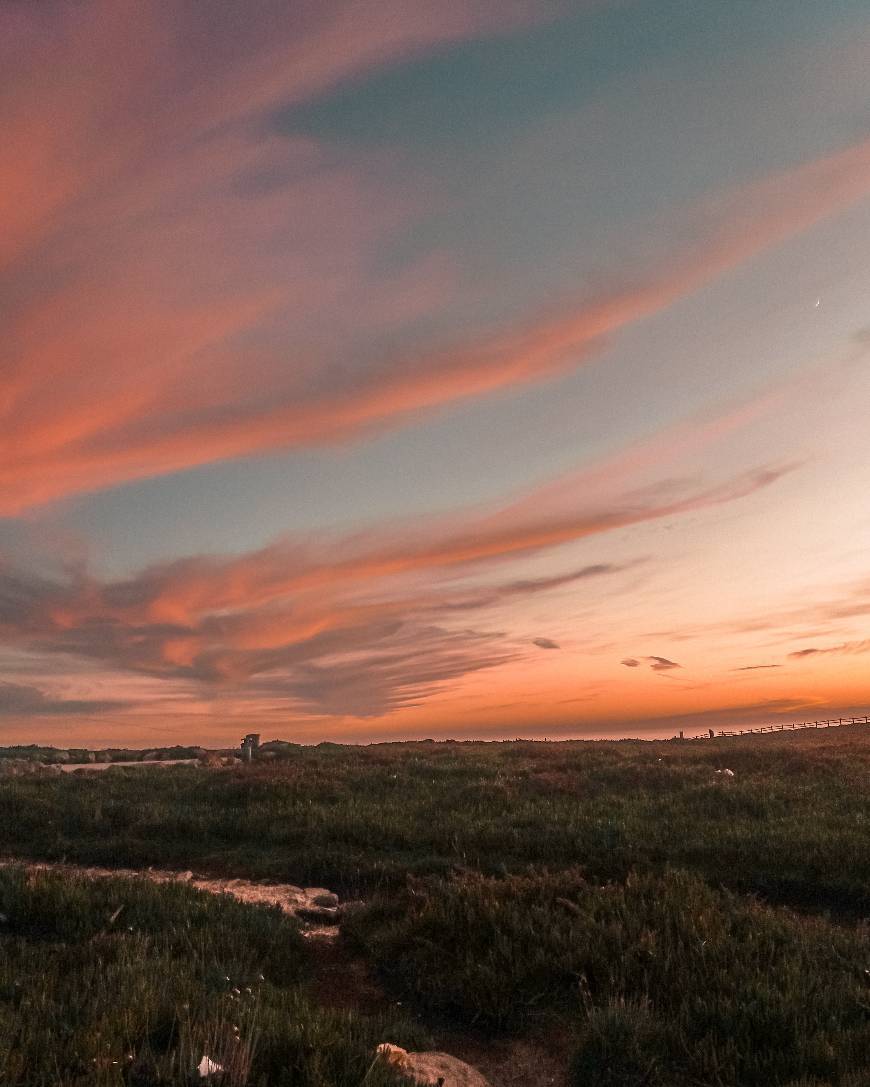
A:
(54, 756)
(663, 980)
(791, 825)
(120, 982)
(673, 925)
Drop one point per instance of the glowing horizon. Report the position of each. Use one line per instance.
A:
(404, 370)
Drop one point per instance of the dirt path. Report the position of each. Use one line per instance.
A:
(316, 907)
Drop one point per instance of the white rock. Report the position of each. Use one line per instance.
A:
(208, 1067)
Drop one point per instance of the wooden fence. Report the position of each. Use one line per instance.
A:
(832, 722)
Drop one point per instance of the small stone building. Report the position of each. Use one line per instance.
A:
(249, 745)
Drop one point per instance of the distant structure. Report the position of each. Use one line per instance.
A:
(249, 745)
(832, 722)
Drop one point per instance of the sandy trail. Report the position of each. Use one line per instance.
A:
(317, 907)
(71, 767)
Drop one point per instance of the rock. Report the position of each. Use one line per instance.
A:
(392, 1054)
(324, 898)
(317, 915)
(432, 1069)
(441, 1069)
(208, 1067)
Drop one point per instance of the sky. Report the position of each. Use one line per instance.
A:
(388, 369)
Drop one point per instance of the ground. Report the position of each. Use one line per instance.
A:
(552, 913)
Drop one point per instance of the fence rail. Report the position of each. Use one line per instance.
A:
(831, 722)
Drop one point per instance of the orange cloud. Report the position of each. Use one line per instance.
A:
(359, 626)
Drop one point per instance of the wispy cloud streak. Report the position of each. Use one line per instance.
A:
(367, 610)
(862, 646)
(189, 286)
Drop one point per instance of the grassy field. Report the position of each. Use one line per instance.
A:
(121, 982)
(669, 924)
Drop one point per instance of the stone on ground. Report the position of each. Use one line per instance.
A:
(432, 1069)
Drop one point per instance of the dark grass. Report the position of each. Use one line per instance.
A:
(661, 977)
(682, 927)
(791, 826)
(115, 982)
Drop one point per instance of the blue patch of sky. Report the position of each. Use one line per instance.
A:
(469, 92)
(561, 155)
(702, 355)
(527, 232)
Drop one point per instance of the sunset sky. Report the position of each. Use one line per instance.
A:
(382, 369)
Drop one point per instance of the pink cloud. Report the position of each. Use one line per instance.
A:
(368, 609)
(181, 284)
